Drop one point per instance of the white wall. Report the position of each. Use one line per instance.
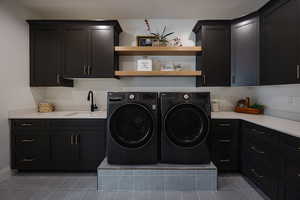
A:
(14, 70)
(76, 97)
(280, 101)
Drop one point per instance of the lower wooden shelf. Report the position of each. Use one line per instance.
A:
(157, 73)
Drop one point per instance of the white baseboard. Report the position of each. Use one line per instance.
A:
(5, 173)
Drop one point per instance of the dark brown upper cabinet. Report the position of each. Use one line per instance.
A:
(245, 51)
(214, 61)
(89, 50)
(60, 50)
(46, 58)
(280, 38)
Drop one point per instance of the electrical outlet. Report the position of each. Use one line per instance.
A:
(291, 100)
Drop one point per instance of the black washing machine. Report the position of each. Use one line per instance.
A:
(132, 128)
(185, 125)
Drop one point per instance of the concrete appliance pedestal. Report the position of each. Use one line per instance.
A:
(158, 177)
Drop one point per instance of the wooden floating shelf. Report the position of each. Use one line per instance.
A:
(157, 73)
(135, 50)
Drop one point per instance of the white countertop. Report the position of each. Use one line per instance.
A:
(282, 125)
(59, 115)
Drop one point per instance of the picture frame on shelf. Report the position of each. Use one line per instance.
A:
(145, 40)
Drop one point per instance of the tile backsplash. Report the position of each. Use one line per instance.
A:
(280, 101)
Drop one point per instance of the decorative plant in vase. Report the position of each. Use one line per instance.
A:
(160, 38)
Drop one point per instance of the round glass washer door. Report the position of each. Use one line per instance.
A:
(186, 125)
(131, 125)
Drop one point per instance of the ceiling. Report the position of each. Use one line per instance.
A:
(130, 9)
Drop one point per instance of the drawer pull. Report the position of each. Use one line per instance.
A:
(256, 174)
(28, 141)
(257, 131)
(225, 141)
(224, 125)
(253, 148)
(225, 161)
(298, 149)
(26, 124)
(28, 160)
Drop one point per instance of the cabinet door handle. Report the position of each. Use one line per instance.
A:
(253, 148)
(28, 140)
(76, 139)
(298, 72)
(84, 69)
(298, 149)
(225, 141)
(26, 124)
(57, 78)
(89, 69)
(204, 79)
(256, 174)
(72, 139)
(226, 160)
(224, 125)
(28, 160)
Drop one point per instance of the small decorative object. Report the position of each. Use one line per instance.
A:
(46, 107)
(215, 104)
(243, 106)
(145, 41)
(176, 42)
(160, 38)
(178, 67)
(167, 67)
(144, 65)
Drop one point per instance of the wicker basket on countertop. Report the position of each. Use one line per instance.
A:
(46, 107)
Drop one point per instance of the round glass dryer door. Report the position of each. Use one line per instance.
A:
(186, 125)
(131, 125)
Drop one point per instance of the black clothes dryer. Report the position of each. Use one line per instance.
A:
(185, 125)
(132, 128)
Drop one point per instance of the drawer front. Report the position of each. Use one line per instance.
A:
(225, 155)
(78, 124)
(258, 133)
(224, 129)
(263, 176)
(291, 180)
(28, 124)
(265, 151)
(32, 142)
(292, 144)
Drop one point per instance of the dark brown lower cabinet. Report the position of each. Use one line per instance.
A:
(224, 144)
(259, 158)
(57, 144)
(290, 180)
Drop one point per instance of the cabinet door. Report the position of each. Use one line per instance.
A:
(102, 52)
(216, 55)
(245, 53)
(64, 150)
(46, 57)
(279, 38)
(91, 148)
(76, 43)
(298, 41)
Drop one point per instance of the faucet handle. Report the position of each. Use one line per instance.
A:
(95, 107)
